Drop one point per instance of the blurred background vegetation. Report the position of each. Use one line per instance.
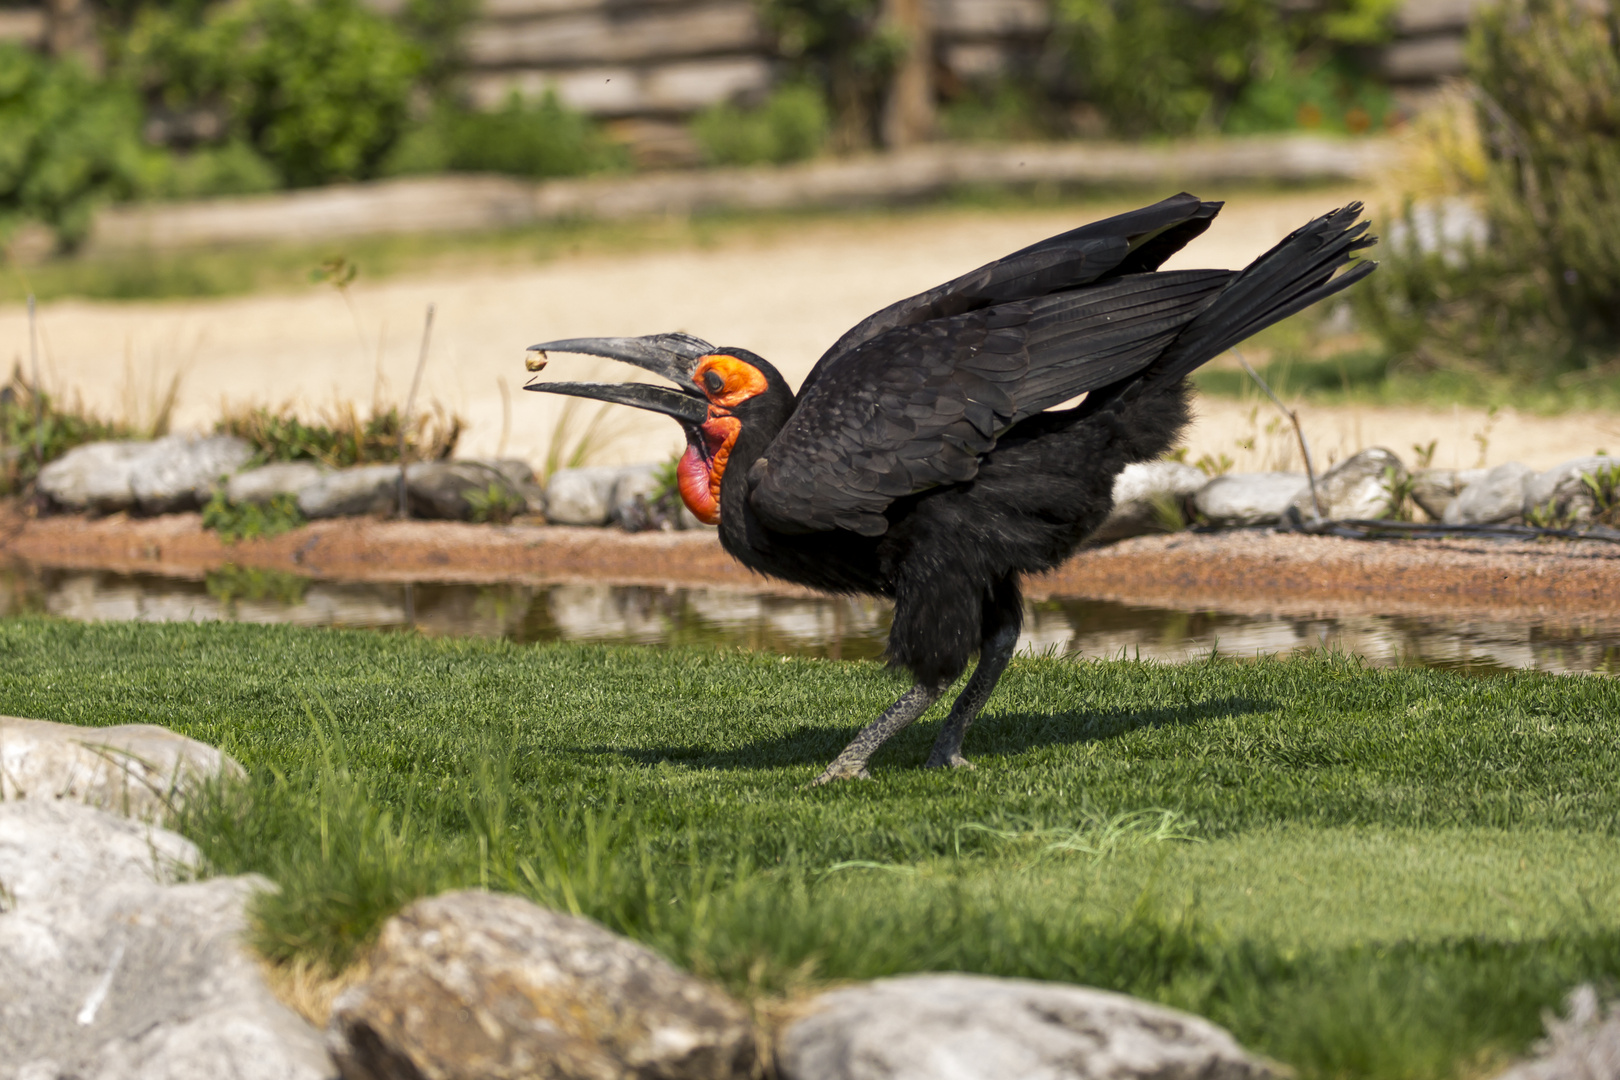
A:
(1501, 231)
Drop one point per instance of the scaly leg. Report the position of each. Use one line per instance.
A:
(851, 763)
(1002, 619)
(993, 658)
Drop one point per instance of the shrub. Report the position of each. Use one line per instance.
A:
(841, 48)
(543, 138)
(1169, 66)
(1533, 297)
(791, 125)
(251, 521)
(67, 142)
(342, 436)
(320, 88)
(35, 428)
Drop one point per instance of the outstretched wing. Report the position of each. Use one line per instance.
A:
(919, 405)
(1131, 243)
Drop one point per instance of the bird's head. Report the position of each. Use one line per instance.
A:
(721, 396)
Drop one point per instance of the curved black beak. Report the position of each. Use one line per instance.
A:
(673, 356)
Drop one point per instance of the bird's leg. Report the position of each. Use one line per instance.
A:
(851, 763)
(1002, 618)
(993, 657)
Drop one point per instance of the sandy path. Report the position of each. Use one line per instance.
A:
(786, 297)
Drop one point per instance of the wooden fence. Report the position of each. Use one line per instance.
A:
(666, 59)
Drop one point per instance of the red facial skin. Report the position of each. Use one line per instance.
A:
(700, 471)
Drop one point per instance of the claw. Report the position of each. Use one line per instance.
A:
(955, 761)
(835, 772)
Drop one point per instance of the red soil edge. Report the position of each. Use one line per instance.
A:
(1251, 571)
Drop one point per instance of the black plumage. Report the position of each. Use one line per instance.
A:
(924, 458)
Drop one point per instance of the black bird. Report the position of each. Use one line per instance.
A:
(924, 458)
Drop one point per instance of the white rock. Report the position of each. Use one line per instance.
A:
(1357, 488)
(1584, 1044)
(111, 973)
(1433, 489)
(473, 985)
(521, 476)
(365, 489)
(278, 478)
(169, 477)
(155, 477)
(1247, 498)
(1563, 491)
(141, 770)
(1140, 490)
(51, 850)
(581, 496)
(95, 476)
(1499, 495)
(971, 1027)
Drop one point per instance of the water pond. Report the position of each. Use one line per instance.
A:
(830, 627)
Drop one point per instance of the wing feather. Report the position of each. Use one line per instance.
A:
(918, 406)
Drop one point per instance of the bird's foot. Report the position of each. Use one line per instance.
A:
(952, 761)
(841, 771)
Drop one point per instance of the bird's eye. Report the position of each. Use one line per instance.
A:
(713, 381)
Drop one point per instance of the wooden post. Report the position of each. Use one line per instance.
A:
(908, 113)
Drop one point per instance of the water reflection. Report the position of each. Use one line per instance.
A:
(833, 627)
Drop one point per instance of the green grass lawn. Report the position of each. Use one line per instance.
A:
(1360, 872)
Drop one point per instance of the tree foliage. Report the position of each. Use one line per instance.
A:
(1157, 67)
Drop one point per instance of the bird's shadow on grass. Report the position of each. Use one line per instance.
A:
(997, 734)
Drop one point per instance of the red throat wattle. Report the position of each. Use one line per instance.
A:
(699, 474)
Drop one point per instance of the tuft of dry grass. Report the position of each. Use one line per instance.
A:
(340, 435)
(309, 987)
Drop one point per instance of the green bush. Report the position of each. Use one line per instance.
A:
(67, 142)
(234, 168)
(251, 521)
(319, 88)
(37, 429)
(791, 125)
(841, 48)
(542, 138)
(1536, 299)
(1165, 67)
(343, 436)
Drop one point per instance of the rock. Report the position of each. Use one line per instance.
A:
(480, 985)
(1499, 495)
(113, 973)
(154, 477)
(1433, 489)
(169, 478)
(94, 477)
(1247, 498)
(1584, 1045)
(581, 496)
(366, 489)
(1356, 489)
(266, 482)
(521, 477)
(140, 770)
(440, 489)
(1561, 493)
(968, 1027)
(1143, 492)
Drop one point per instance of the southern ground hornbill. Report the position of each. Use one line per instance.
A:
(924, 458)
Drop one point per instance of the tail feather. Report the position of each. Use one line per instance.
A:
(1302, 269)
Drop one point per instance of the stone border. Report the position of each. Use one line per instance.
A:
(1237, 570)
